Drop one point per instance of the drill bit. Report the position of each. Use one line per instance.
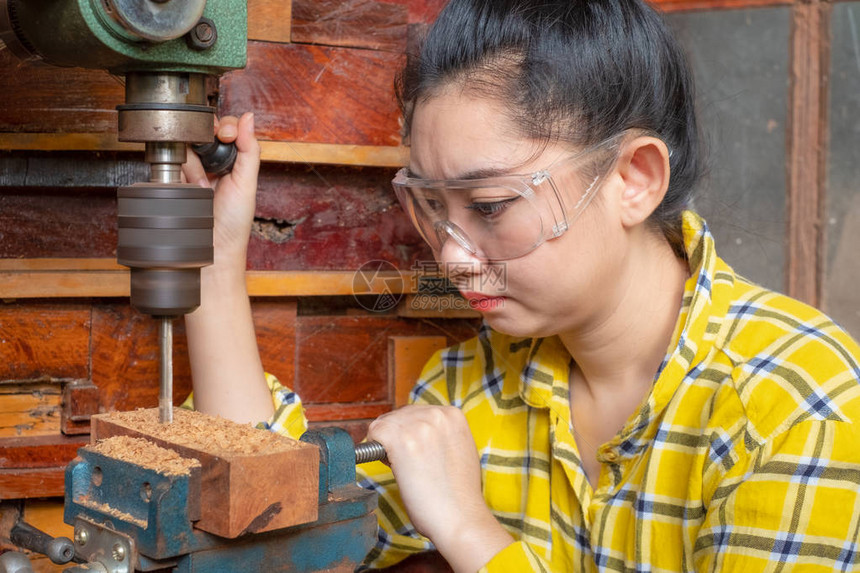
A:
(165, 370)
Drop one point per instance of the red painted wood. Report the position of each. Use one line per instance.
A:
(316, 94)
(343, 359)
(17, 484)
(44, 341)
(369, 24)
(70, 224)
(41, 98)
(325, 412)
(331, 219)
(39, 452)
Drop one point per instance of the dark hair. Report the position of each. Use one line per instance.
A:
(577, 71)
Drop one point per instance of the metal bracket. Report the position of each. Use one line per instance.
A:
(98, 543)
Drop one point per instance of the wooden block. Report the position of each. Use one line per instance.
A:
(407, 356)
(269, 20)
(368, 24)
(29, 410)
(80, 401)
(316, 94)
(242, 491)
(44, 341)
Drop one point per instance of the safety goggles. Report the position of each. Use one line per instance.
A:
(502, 217)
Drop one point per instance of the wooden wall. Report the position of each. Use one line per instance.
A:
(319, 79)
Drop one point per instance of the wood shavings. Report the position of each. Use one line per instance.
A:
(105, 509)
(145, 454)
(203, 432)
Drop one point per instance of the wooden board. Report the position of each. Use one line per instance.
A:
(369, 24)
(316, 94)
(29, 410)
(42, 98)
(407, 356)
(269, 20)
(343, 359)
(240, 492)
(40, 340)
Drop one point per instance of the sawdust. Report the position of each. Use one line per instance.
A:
(202, 432)
(145, 454)
(105, 509)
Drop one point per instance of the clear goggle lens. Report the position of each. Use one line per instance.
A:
(492, 223)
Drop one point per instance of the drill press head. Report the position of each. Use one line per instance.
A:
(165, 49)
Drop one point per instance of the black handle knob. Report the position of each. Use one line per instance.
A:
(217, 157)
(60, 550)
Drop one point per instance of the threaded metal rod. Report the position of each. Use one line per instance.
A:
(165, 371)
(371, 451)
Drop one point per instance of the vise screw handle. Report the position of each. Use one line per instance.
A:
(60, 550)
(371, 451)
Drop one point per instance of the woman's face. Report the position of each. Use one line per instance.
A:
(566, 283)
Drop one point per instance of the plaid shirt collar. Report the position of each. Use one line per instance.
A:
(544, 377)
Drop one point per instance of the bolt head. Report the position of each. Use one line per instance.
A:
(118, 552)
(82, 536)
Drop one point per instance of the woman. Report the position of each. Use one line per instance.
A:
(630, 403)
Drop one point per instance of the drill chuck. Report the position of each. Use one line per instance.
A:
(165, 236)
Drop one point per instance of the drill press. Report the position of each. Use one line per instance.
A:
(165, 49)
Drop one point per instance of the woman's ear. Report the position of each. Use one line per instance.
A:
(644, 169)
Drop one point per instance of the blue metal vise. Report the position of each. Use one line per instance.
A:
(129, 518)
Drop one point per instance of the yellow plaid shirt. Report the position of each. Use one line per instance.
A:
(744, 457)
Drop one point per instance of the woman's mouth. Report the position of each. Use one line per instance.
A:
(482, 302)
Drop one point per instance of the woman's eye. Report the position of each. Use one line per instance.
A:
(491, 208)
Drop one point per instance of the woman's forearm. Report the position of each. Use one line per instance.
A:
(228, 375)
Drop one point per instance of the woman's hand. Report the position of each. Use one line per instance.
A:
(235, 193)
(435, 461)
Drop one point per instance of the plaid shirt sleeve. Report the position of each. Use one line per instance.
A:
(795, 501)
(289, 417)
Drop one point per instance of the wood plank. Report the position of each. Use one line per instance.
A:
(125, 358)
(407, 356)
(316, 94)
(30, 483)
(807, 153)
(40, 98)
(369, 24)
(269, 20)
(270, 151)
(693, 5)
(125, 353)
(58, 224)
(331, 219)
(343, 359)
(38, 278)
(39, 340)
(39, 452)
(345, 412)
(240, 492)
(30, 413)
